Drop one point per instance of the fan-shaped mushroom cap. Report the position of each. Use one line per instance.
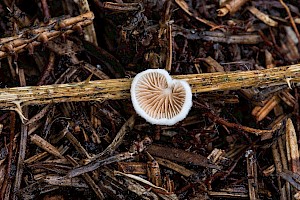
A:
(160, 99)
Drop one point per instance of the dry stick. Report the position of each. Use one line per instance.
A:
(278, 168)
(291, 18)
(98, 163)
(22, 145)
(88, 179)
(122, 7)
(40, 142)
(241, 127)
(42, 34)
(127, 126)
(46, 11)
(184, 6)
(292, 146)
(7, 180)
(252, 175)
(77, 144)
(89, 31)
(170, 48)
(14, 98)
(47, 70)
(231, 7)
(285, 191)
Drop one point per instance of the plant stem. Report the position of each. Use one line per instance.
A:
(101, 90)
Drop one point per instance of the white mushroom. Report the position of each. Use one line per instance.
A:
(159, 99)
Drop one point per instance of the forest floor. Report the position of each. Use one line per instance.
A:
(68, 129)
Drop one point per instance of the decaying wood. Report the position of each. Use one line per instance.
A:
(89, 31)
(214, 36)
(129, 184)
(262, 16)
(65, 141)
(45, 145)
(291, 177)
(98, 163)
(88, 180)
(268, 107)
(228, 195)
(292, 147)
(23, 144)
(252, 175)
(29, 38)
(127, 126)
(137, 178)
(230, 6)
(184, 6)
(179, 155)
(15, 98)
(174, 166)
(132, 167)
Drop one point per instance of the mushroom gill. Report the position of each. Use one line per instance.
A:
(159, 99)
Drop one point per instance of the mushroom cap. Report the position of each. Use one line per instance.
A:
(160, 99)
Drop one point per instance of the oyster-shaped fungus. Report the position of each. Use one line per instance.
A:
(160, 99)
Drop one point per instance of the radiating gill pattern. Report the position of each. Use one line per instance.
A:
(158, 99)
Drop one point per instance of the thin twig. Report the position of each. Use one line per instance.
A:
(46, 11)
(291, 19)
(47, 70)
(127, 126)
(22, 145)
(88, 179)
(7, 180)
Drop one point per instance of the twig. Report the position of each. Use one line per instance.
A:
(98, 163)
(262, 16)
(252, 175)
(48, 70)
(184, 6)
(22, 146)
(179, 155)
(240, 127)
(88, 179)
(89, 31)
(122, 7)
(40, 142)
(230, 6)
(127, 126)
(292, 147)
(14, 98)
(76, 143)
(174, 166)
(291, 19)
(46, 12)
(29, 38)
(283, 158)
(7, 181)
(214, 36)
